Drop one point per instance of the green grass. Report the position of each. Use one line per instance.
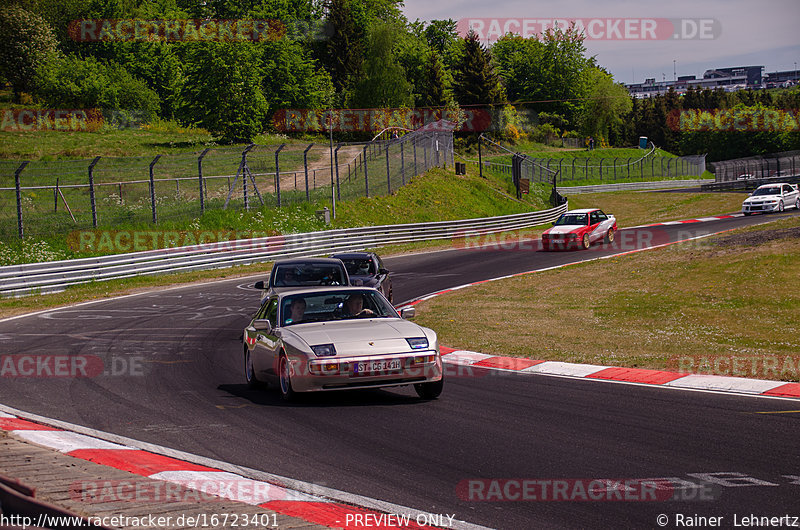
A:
(662, 309)
(438, 195)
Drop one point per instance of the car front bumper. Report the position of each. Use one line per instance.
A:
(341, 373)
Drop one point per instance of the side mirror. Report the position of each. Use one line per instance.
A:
(383, 271)
(408, 313)
(259, 285)
(553, 223)
(262, 325)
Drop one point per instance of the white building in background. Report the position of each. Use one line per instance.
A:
(729, 79)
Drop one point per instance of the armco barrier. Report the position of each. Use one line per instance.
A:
(630, 186)
(32, 278)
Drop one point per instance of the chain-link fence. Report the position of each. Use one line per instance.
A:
(786, 164)
(649, 166)
(46, 197)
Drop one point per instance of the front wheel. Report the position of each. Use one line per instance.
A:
(780, 206)
(610, 236)
(747, 213)
(585, 242)
(249, 370)
(430, 390)
(287, 394)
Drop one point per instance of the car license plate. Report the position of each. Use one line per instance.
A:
(371, 367)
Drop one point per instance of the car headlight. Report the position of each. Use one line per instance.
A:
(418, 343)
(324, 350)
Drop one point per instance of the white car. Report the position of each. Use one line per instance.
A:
(772, 198)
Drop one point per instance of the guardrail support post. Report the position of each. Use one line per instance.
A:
(305, 167)
(366, 173)
(92, 200)
(200, 179)
(152, 189)
(277, 174)
(19, 196)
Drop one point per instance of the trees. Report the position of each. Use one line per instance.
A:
(384, 83)
(605, 104)
(476, 82)
(223, 90)
(27, 45)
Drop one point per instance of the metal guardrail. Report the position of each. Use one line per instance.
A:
(748, 184)
(48, 277)
(628, 186)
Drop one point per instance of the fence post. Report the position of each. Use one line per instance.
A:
(152, 190)
(336, 158)
(601, 169)
(652, 168)
(305, 167)
(480, 157)
(366, 173)
(402, 165)
(629, 168)
(55, 197)
(388, 174)
(586, 170)
(415, 159)
(200, 179)
(92, 200)
(668, 164)
(243, 167)
(278, 174)
(19, 196)
(615, 168)
(573, 168)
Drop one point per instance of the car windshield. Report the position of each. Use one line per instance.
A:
(572, 219)
(328, 306)
(308, 275)
(767, 191)
(358, 266)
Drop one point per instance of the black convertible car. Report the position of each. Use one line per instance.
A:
(367, 269)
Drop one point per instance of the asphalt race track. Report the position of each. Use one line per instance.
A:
(173, 376)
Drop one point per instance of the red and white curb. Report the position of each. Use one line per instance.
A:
(690, 221)
(317, 504)
(614, 374)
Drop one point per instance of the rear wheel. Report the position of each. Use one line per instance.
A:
(430, 390)
(585, 242)
(249, 371)
(610, 236)
(797, 203)
(287, 394)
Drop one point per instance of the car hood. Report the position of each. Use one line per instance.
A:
(563, 229)
(760, 198)
(361, 337)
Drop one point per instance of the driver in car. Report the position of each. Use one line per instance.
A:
(354, 307)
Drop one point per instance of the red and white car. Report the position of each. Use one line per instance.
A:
(579, 228)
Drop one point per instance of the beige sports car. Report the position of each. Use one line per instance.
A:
(338, 338)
